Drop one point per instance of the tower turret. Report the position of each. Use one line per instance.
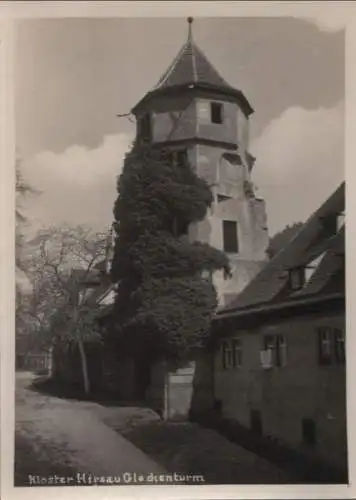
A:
(193, 111)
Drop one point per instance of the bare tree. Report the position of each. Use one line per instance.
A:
(63, 273)
(22, 190)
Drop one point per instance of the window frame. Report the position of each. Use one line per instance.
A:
(237, 352)
(300, 272)
(216, 107)
(278, 345)
(339, 346)
(180, 157)
(227, 355)
(231, 351)
(145, 127)
(333, 338)
(229, 248)
(222, 197)
(340, 221)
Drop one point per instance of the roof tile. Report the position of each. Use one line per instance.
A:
(270, 283)
(191, 66)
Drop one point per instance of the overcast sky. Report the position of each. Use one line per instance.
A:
(74, 75)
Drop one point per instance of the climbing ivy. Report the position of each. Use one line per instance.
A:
(165, 298)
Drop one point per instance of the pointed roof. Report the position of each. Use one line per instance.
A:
(192, 69)
(191, 66)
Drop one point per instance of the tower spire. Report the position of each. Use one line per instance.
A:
(190, 31)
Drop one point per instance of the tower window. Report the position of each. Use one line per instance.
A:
(223, 197)
(145, 128)
(216, 112)
(230, 238)
(180, 157)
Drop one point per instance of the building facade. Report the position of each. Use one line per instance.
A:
(279, 359)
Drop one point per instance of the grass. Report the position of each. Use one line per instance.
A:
(29, 461)
(187, 448)
(307, 468)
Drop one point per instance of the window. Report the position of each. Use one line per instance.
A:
(281, 350)
(340, 221)
(333, 223)
(216, 112)
(325, 352)
(179, 227)
(227, 359)
(278, 346)
(231, 354)
(230, 239)
(297, 278)
(223, 197)
(256, 421)
(180, 157)
(237, 352)
(312, 267)
(145, 127)
(339, 346)
(331, 346)
(309, 431)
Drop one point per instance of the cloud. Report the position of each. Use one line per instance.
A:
(300, 160)
(77, 186)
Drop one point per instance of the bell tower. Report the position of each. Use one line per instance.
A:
(195, 112)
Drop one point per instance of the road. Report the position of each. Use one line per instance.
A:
(72, 436)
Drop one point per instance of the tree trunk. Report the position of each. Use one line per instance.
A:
(84, 364)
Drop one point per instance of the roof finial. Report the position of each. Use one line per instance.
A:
(190, 34)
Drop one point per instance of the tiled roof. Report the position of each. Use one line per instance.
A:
(191, 66)
(270, 286)
(191, 69)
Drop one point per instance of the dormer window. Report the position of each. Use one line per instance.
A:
(333, 223)
(312, 267)
(297, 278)
(216, 112)
(340, 221)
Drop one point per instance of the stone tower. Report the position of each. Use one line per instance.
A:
(195, 112)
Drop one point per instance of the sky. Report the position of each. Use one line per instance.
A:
(74, 75)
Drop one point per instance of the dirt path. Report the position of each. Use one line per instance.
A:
(75, 434)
